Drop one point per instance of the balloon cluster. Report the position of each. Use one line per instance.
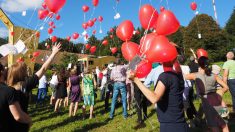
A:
(154, 47)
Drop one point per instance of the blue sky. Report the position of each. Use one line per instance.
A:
(72, 15)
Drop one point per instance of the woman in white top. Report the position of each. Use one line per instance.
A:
(53, 84)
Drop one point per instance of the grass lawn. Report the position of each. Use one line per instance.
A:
(45, 120)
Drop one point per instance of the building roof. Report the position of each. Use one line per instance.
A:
(43, 54)
(58, 57)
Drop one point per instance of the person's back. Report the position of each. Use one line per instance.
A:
(88, 84)
(205, 84)
(170, 107)
(230, 65)
(7, 97)
(75, 81)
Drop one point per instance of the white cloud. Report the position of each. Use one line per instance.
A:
(3, 32)
(20, 5)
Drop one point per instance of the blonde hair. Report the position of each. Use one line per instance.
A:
(16, 73)
(73, 71)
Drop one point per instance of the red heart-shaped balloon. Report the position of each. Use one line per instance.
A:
(193, 6)
(94, 32)
(75, 35)
(57, 17)
(95, 2)
(88, 46)
(36, 54)
(201, 52)
(114, 50)
(90, 23)
(148, 16)
(55, 5)
(50, 30)
(85, 25)
(161, 50)
(100, 18)
(125, 30)
(143, 69)
(42, 13)
(85, 8)
(167, 23)
(53, 39)
(68, 38)
(105, 42)
(145, 42)
(93, 49)
(129, 50)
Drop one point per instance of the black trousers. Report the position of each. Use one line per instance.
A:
(108, 95)
(191, 110)
(141, 104)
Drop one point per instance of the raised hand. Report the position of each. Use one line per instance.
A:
(56, 48)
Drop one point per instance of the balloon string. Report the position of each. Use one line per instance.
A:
(167, 3)
(145, 32)
(140, 4)
(44, 22)
(84, 19)
(22, 32)
(92, 13)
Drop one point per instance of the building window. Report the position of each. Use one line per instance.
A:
(91, 62)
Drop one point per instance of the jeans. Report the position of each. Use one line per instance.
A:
(231, 84)
(122, 87)
(42, 93)
(141, 104)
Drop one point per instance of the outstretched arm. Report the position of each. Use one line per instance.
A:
(153, 97)
(194, 55)
(56, 48)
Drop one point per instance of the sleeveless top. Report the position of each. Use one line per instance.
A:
(88, 84)
(75, 83)
(205, 84)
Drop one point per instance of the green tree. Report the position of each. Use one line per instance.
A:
(230, 26)
(213, 39)
(68, 58)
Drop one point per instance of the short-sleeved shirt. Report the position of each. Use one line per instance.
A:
(205, 84)
(170, 106)
(7, 98)
(23, 94)
(118, 73)
(42, 82)
(230, 65)
(152, 77)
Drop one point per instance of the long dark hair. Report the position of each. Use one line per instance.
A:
(205, 65)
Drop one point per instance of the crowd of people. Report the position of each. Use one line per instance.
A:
(174, 85)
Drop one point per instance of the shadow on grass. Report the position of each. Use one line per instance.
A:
(70, 120)
(52, 115)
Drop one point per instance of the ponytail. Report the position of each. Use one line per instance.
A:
(204, 64)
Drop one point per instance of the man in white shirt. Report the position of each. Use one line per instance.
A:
(42, 89)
